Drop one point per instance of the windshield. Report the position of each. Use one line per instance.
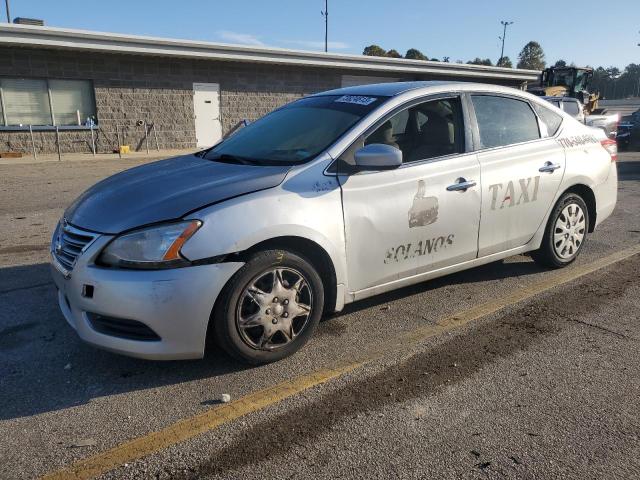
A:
(581, 81)
(295, 133)
(562, 78)
(574, 79)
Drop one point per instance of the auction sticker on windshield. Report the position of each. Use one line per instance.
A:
(357, 99)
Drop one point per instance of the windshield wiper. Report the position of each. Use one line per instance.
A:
(227, 158)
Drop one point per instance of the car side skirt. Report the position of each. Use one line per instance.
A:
(404, 282)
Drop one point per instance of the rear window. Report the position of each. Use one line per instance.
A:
(504, 121)
(551, 119)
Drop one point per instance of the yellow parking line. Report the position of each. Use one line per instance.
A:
(192, 426)
(220, 415)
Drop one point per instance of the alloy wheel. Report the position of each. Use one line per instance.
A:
(274, 308)
(569, 231)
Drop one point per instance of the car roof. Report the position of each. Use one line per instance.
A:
(393, 89)
(390, 89)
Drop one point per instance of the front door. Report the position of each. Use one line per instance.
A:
(206, 110)
(413, 219)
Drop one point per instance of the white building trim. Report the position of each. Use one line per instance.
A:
(63, 38)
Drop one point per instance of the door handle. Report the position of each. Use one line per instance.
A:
(461, 185)
(549, 167)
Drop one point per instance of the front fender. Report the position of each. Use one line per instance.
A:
(239, 224)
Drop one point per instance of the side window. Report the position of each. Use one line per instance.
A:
(504, 121)
(399, 122)
(423, 131)
(550, 118)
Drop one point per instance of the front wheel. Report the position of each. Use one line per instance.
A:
(270, 307)
(565, 233)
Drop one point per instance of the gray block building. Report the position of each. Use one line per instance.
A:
(108, 89)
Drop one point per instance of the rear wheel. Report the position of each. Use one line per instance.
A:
(270, 307)
(565, 233)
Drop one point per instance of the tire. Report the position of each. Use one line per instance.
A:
(261, 315)
(565, 233)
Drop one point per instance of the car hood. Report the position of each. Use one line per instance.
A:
(166, 190)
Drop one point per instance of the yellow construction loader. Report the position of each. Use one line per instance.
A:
(567, 82)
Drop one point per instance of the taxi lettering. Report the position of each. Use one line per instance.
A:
(577, 140)
(524, 190)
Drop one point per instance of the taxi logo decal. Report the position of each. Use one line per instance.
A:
(526, 188)
(424, 210)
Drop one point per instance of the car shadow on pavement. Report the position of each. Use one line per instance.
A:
(45, 367)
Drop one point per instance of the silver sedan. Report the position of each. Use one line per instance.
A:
(328, 200)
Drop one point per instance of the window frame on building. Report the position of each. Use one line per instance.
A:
(53, 87)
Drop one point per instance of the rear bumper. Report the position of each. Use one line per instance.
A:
(176, 304)
(607, 195)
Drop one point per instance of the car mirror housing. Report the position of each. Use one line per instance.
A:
(378, 156)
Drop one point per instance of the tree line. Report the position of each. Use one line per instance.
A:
(528, 56)
(611, 82)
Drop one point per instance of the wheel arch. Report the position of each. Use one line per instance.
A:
(311, 251)
(308, 249)
(589, 197)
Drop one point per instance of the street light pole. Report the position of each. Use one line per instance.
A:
(504, 34)
(325, 14)
(6, 4)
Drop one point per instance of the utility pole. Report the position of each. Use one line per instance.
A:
(325, 14)
(505, 24)
(6, 4)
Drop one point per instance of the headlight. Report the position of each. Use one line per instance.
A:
(152, 247)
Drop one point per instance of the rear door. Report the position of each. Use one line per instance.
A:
(413, 219)
(522, 169)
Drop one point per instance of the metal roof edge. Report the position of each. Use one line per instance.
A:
(50, 37)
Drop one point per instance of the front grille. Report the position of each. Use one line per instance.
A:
(69, 243)
(122, 328)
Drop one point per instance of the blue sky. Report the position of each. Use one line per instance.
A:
(460, 29)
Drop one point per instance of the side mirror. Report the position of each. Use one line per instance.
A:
(378, 156)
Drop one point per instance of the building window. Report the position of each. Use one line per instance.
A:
(72, 100)
(26, 102)
(46, 102)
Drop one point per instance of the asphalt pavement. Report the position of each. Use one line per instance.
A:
(547, 387)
